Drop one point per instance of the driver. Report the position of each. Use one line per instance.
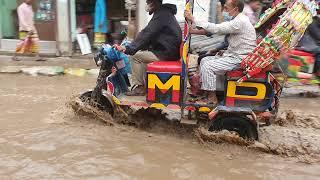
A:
(242, 40)
(160, 40)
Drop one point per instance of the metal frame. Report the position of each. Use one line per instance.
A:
(185, 54)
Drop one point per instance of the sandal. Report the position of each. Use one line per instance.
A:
(205, 102)
(136, 90)
(15, 59)
(208, 101)
(39, 59)
(194, 99)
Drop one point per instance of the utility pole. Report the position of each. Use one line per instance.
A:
(213, 11)
(142, 15)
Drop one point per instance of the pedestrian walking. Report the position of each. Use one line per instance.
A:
(28, 35)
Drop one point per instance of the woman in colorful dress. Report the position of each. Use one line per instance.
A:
(28, 35)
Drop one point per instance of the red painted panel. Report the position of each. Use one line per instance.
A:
(230, 101)
(151, 96)
(165, 66)
(176, 96)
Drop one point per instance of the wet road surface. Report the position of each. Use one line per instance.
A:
(42, 139)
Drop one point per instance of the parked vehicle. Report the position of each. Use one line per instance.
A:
(304, 61)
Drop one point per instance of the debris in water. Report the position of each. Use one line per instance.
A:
(11, 69)
(76, 72)
(43, 70)
(51, 71)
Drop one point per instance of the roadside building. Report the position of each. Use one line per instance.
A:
(59, 21)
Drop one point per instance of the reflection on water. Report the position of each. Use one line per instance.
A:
(42, 139)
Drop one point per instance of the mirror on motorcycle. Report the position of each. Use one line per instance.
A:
(98, 58)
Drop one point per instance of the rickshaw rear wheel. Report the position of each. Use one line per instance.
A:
(235, 123)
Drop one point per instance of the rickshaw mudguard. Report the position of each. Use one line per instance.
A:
(109, 97)
(233, 110)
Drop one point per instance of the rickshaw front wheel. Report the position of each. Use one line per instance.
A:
(103, 104)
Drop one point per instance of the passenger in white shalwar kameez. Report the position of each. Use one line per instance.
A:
(242, 41)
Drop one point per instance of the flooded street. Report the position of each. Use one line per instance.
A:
(41, 138)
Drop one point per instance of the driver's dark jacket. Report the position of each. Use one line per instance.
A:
(162, 36)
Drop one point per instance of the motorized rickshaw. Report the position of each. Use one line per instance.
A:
(250, 94)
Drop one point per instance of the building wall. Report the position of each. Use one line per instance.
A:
(6, 8)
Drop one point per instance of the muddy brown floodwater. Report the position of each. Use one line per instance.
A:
(41, 138)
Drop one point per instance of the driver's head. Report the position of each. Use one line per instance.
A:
(234, 7)
(255, 5)
(28, 1)
(153, 5)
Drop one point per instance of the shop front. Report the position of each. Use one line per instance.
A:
(59, 21)
(116, 20)
(45, 22)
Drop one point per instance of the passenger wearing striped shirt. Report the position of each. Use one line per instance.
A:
(242, 40)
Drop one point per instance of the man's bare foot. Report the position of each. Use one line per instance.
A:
(208, 101)
(212, 114)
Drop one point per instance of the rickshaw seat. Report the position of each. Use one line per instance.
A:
(165, 66)
(235, 73)
(239, 73)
